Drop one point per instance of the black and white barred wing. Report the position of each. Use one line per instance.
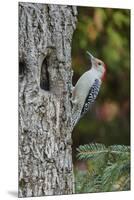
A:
(93, 93)
(80, 110)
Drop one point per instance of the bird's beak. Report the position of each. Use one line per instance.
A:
(91, 56)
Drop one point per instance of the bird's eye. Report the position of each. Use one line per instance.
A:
(99, 63)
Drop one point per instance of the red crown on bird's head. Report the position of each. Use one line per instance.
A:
(104, 75)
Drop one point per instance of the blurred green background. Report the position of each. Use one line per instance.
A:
(105, 33)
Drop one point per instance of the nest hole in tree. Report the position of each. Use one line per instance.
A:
(44, 75)
(22, 68)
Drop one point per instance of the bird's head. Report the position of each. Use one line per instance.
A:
(98, 65)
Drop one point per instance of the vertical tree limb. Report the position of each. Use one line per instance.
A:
(45, 81)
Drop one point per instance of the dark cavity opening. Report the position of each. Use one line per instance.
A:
(44, 76)
(22, 68)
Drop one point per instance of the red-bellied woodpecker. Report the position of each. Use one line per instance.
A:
(87, 88)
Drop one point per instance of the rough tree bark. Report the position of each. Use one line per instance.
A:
(45, 81)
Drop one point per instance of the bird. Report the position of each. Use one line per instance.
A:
(87, 88)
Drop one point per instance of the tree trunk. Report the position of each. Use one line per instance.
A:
(45, 86)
